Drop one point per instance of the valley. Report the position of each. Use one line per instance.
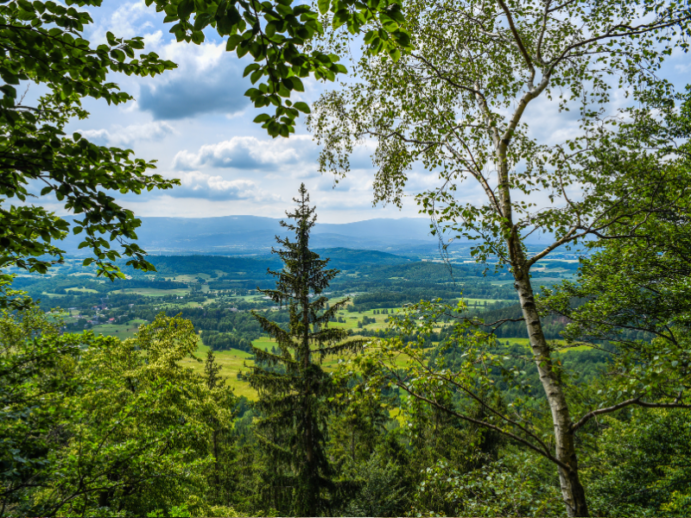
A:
(218, 293)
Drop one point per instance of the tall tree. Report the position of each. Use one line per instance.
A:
(461, 103)
(292, 387)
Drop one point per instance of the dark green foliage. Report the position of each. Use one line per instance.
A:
(195, 264)
(643, 466)
(224, 341)
(380, 300)
(34, 376)
(347, 258)
(383, 490)
(91, 425)
(157, 284)
(291, 385)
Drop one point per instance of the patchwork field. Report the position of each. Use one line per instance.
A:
(234, 361)
(153, 292)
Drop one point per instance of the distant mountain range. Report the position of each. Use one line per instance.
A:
(239, 235)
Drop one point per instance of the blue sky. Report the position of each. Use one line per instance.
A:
(196, 122)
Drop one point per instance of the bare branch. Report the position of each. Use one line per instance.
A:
(519, 42)
(635, 401)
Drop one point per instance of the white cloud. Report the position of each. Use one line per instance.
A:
(124, 22)
(196, 184)
(129, 135)
(248, 153)
(208, 80)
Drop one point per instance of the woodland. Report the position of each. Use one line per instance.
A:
(520, 384)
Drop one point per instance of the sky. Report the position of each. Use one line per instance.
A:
(197, 124)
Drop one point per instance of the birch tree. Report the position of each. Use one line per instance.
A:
(463, 103)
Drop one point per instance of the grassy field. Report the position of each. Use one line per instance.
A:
(190, 277)
(480, 302)
(82, 290)
(53, 295)
(231, 362)
(153, 292)
(179, 305)
(122, 331)
(525, 342)
(264, 343)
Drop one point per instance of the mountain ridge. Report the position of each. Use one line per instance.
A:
(256, 234)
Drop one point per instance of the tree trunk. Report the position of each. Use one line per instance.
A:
(572, 491)
(571, 488)
(216, 470)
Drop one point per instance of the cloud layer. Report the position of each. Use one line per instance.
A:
(129, 135)
(201, 185)
(248, 153)
(208, 80)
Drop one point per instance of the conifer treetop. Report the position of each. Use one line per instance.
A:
(300, 286)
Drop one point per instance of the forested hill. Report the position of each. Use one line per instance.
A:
(341, 258)
(377, 273)
(346, 258)
(210, 264)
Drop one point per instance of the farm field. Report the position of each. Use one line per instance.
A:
(53, 295)
(189, 277)
(153, 292)
(232, 362)
(81, 290)
(525, 343)
(121, 331)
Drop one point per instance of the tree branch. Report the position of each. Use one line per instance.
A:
(635, 401)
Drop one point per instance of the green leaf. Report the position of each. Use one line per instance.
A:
(233, 42)
(303, 107)
(263, 117)
(297, 84)
(185, 8)
(402, 38)
(256, 75)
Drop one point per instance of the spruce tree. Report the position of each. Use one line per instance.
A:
(292, 387)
